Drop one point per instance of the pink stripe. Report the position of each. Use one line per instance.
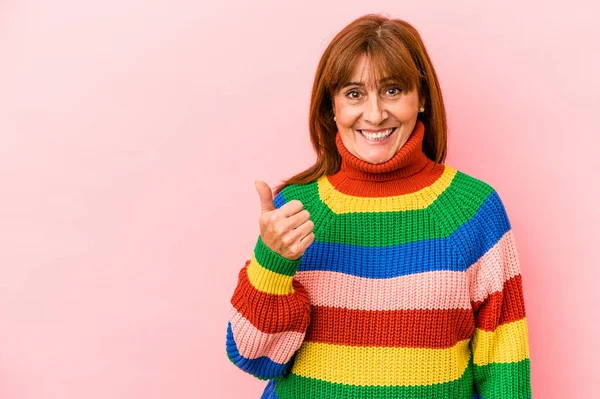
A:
(253, 343)
(496, 266)
(442, 289)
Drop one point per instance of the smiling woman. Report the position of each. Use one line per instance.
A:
(381, 272)
(374, 121)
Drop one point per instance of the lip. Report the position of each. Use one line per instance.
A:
(378, 130)
(381, 142)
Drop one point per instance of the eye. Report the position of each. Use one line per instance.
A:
(349, 94)
(397, 90)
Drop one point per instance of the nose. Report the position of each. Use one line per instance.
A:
(374, 112)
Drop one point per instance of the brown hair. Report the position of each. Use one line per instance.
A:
(396, 50)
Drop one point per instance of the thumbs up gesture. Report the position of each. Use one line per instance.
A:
(288, 230)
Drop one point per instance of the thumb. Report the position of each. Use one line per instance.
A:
(266, 196)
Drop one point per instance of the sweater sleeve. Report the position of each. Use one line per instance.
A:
(499, 345)
(270, 313)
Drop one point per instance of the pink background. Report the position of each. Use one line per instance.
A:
(131, 135)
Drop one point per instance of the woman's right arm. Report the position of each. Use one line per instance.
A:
(270, 310)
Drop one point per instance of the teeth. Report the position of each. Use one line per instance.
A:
(376, 136)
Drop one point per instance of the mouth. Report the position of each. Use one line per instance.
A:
(377, 136)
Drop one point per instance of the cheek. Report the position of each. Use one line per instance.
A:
(406, 111)
(347, 116)
(407, 115)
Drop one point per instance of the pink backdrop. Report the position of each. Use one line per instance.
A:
(131, 135)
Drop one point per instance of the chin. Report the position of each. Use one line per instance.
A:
(375, 159)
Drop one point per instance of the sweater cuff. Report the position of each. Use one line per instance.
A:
(274, 262)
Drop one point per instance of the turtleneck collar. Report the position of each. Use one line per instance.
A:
(407, 171)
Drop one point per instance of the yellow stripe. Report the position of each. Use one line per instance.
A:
(509, 343)
(267, 281)
(361, 365)
(339, 202)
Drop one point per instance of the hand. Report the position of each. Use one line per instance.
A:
(288, 230)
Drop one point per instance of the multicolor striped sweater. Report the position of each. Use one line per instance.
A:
(411, 289)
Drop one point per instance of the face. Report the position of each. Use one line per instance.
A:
(365, 116)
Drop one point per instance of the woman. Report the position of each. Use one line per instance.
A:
(381, 272)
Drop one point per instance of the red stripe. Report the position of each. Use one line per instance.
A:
(389, 187)
(272, 313)
(426, 328)
(501, 307)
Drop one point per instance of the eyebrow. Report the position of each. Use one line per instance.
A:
(362, 83)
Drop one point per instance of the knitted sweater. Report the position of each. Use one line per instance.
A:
(411, 289)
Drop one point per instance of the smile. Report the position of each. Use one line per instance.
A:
(382, 135)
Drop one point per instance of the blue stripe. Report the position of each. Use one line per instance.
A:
(480, 232)
(483, 230)
(379, 262)
(279, 200)
(269, 392)
(262, 367)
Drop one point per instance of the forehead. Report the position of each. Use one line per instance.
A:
(364, 73)
(373, 69)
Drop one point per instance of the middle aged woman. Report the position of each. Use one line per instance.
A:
(381, 272)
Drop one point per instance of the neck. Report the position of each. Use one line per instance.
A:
(409, 170)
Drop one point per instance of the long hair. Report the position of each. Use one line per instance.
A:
(395, 49)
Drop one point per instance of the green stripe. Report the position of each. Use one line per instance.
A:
(504, 380)
(293, 386)
(456, 205)
(274, 262)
